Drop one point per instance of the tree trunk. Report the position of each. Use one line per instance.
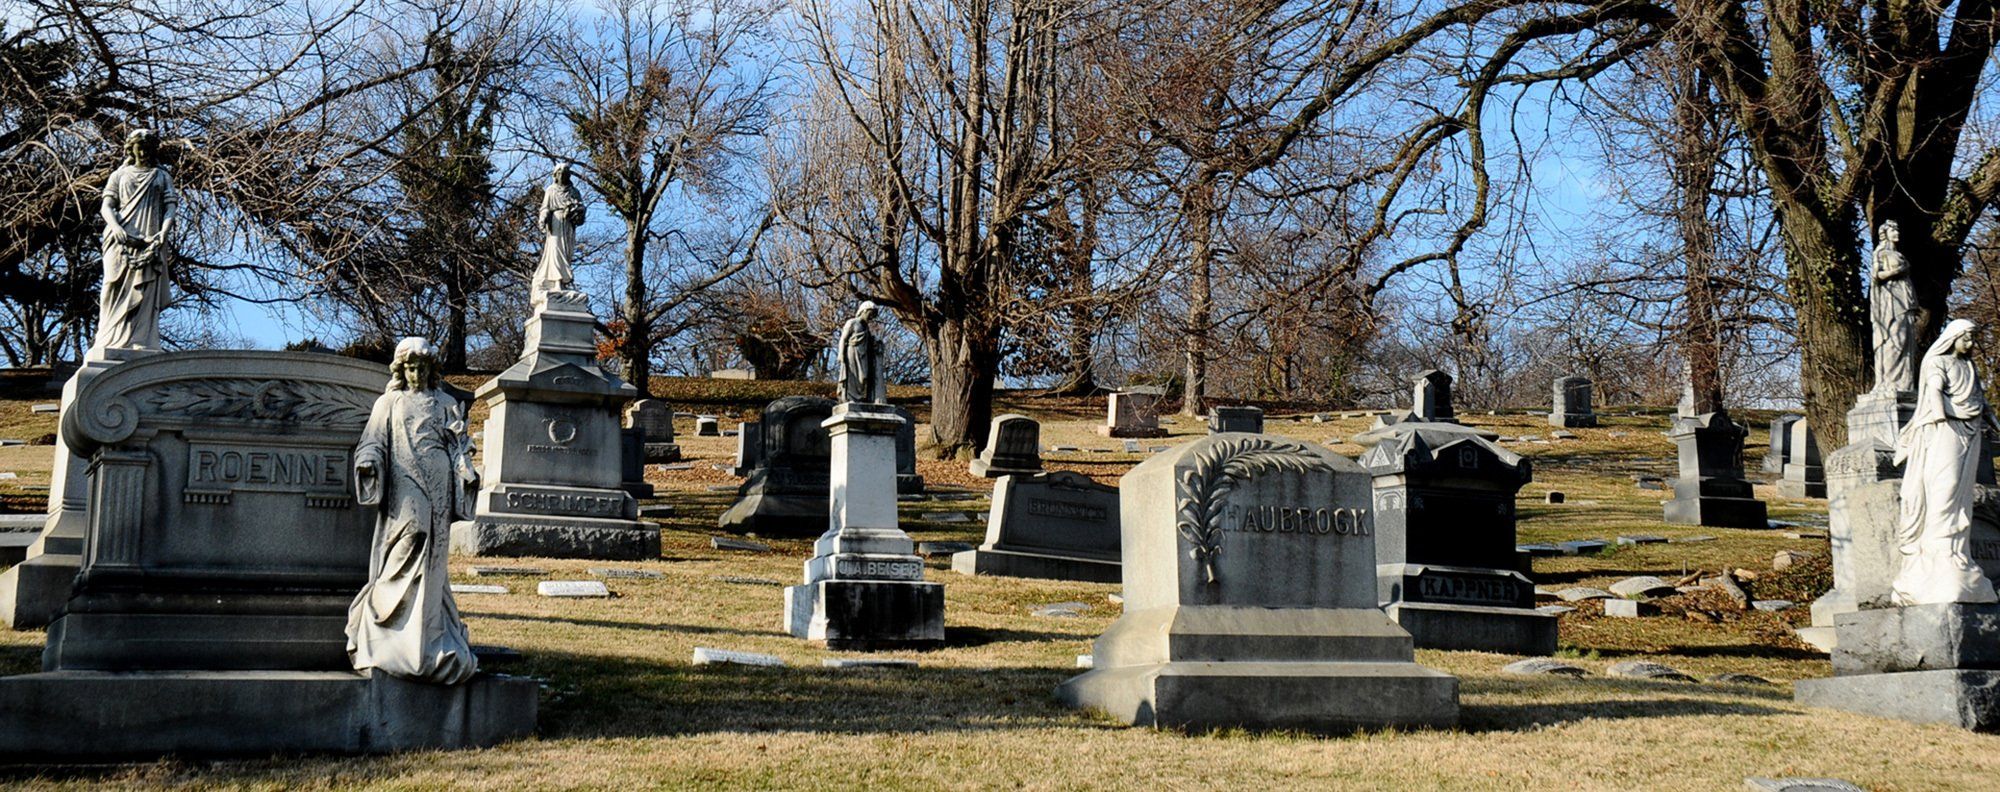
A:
(1696, 155)
(1198, 210)
(455, 308)
(964, 364)
(1834, 336)
(635, 346)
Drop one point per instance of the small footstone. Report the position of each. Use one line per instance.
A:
(1115, 599)
(1583, 547)
(46, 408)
(1061, 610)
(1772, 605)
(863, 663)
(1545, 594)
(1541, 666)
(1805, 534)
(1642, 539)
(1562, 435)
(475, 588)
(1131, 446)
(1629, 609)
(1538, 550)
(706, 656)
(944, 548)
(1641, 669)
(1555, 610)
(1581, 593)
(1734, 678)
(1157, 449)
(1554, 496)
(1652, 483)
(630, 574)
(726, 543)
(1694, 539)
(657, 510)
(572, 588)
(1643, 586)
(1064, 449)
(952, 517)
(722, 488)
(748, 581)
(1799, 785)
(508, 571)
(1086, 661)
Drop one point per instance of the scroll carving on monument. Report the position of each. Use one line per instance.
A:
(1940, 450)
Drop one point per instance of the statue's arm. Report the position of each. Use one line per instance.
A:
(108, 209)
(542, 215)
(1889, 267)
(370, 453)
(170, 201)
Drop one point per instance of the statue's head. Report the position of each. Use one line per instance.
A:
(561, 174)
(867, 312)
(1887, 233)
(415, 365)
(142, 147)
(1958, 337)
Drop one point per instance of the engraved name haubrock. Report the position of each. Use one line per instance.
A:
(1218, 469)
(1312, 521)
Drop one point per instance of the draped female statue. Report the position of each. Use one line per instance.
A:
(561, 212)
(860, 352)
(1892, 314)
(1939, 450)
(138, 210)
(415, 463)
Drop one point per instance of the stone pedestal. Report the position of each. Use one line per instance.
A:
(864, 586)
(1711, 490)
(32, 592)
(1804, 477)
(1055, 526)
(552, 484)
(1923, 663)
(1430, 399)
(1571, 406)
(222, 550)
(1248, 563)
(1249, 420)
(1013, 448)
(1447, 569)
(1133, 413)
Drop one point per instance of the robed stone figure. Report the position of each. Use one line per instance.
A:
(860, 354)
(415, 464)
(561, 212)
(1939, 450)
(138, 210)
(1892, 314)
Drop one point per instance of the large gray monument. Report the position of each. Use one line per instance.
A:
(1430, 398)
(1928, 649)
(864, 586)
(1711, 490)
(1250, 599)
(1571, 406)
(653, 419)
(1013, 447)
(139, 207)
(1057, 526)
(788, 452)
(554, 452)
(224, 549)
(1447, 570)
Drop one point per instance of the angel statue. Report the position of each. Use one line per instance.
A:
(860, 351)
(138, 211)
(561, 213)
(1939, 450)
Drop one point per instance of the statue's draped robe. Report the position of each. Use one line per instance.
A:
(135, 277)
(1892, 314)
(861, 364)
(404, 622)
(1940, 451)
(562, 209)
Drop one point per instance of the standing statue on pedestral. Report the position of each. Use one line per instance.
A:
(1892, 314)
(415, 462)
(1940, 451)
(138, 211)
(561, 213)
(860, 352)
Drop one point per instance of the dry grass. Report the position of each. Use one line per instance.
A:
(623, 707)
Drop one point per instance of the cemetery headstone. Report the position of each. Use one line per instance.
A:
(654, 419)
(1781, 443)
(784, 493)
(1447, 569)
(733, 374)
(707, 426)
(1711, 490)
(908, 482)
(1431, 397)
(1249, 599)
(1249, 420)
(1057, 526)
(632, 464)
(864, 587)
(1133, 413)
(1572, 403)
(553, 450)
(1013, 447)
(224, 549)
(1804, 476)
(749, 448)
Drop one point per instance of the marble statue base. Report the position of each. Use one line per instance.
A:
(550, 536)
(98, 715)
(1922, 663)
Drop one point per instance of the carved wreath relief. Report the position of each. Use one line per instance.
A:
(1204, 489)
(310, 402)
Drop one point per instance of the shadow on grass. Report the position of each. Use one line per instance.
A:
(1747, 650)
(599, 697)
(20, 659)
(976, 636)
(691, 629)
(1521, 717)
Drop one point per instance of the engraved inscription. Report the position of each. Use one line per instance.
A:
(566, 503)
(1316, 521)
(1472, 590)
(1986, 549)
(224, 468)
(878, 570)
(1067, 510)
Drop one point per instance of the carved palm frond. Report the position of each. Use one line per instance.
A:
(1217, 471)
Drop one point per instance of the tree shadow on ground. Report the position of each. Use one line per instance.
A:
(1477, 718)
(1669, 575)
(977, 636)
(691, 629)
(1745, 650)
